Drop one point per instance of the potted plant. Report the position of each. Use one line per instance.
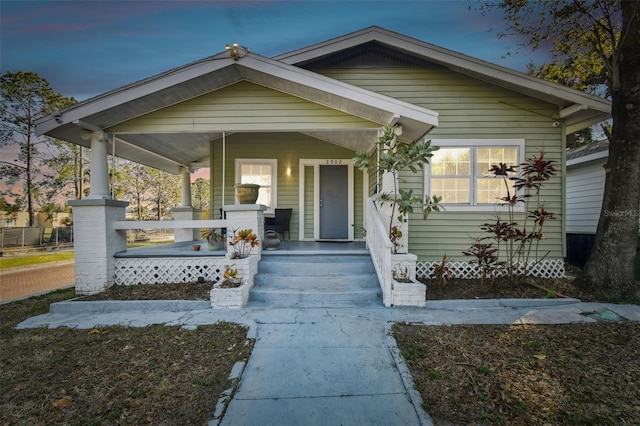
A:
(237, 278)
(400, 274)
(214, 239)
(242, 243)
(232, 292)
(405, 289)
(247, 192)
(230, 277)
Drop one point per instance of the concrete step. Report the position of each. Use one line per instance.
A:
(316, 281)
(316, 265)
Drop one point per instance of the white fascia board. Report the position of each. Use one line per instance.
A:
(340, 89)
(326, 48)
(587, 158)
(132, 92)
(502, 76)
(252, 61)
(464, 64)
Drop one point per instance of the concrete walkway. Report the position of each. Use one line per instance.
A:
(327, 366)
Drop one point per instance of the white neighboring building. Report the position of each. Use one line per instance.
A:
(585, 188)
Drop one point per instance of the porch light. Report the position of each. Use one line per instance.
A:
(236, 51)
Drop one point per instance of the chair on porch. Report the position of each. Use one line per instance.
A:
(279, 223)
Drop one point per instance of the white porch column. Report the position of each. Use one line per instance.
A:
(96, 242)
(99, 168)
(186, 187)
(185, 211)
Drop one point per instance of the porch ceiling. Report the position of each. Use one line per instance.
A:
(170, 150)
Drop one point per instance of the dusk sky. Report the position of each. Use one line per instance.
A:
(85, 48)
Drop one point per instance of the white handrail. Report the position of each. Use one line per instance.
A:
(380, 247)
(169, 224)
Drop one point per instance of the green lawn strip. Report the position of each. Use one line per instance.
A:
(148, 243)
(15, 312)
(35, 259)
(113, 375)
(574, 374)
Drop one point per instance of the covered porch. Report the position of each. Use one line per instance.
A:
(223, 112)
(185, 249)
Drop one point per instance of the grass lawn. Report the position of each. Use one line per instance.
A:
(35, 259)
(574, 374)
(112, 375)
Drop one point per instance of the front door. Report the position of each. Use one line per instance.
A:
(334, 202)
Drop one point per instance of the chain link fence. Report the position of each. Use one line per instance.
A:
(35, 236)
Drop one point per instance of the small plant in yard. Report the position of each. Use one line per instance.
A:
(393, 156)
(401, 275)
(441, 271)
(243, 242)
(212, 236)
(230, 277)
(519, 243)
(486, 258)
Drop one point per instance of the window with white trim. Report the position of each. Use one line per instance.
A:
(262, 172)
(459, 172)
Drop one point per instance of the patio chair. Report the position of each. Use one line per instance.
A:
(279, 223)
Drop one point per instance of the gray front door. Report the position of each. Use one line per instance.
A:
(334, 203)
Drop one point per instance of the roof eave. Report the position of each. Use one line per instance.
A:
(495, 74)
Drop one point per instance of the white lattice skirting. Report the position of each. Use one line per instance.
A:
(552, 268)
(168, 270)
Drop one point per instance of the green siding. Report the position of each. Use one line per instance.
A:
(242, 106)
(288, 149)
(470, 109)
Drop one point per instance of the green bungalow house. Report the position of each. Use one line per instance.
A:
(293, 124)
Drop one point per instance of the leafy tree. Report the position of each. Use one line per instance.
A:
(10, 209)
(50, 210)
(163, 192)
(134, 178)
(200, 190)
(609, 31)
(24, 98)
(70, 167)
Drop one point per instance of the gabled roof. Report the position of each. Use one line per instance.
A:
(287, 73)
(217, 72)
(578, 109)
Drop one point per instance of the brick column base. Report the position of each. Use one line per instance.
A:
(95, 242)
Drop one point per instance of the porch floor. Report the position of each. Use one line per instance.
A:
(185, 249)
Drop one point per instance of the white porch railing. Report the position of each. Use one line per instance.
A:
(380, 247)
(168, 224)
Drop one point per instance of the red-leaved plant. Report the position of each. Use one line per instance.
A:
(518, 244)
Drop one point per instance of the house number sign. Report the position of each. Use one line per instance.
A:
(334, 162)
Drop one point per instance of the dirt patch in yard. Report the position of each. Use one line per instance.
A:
(172, 291)
(502, 288)
(113, 375)
(574, 374)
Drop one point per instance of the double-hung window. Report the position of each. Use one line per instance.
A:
(262, 172)
(459, 172)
